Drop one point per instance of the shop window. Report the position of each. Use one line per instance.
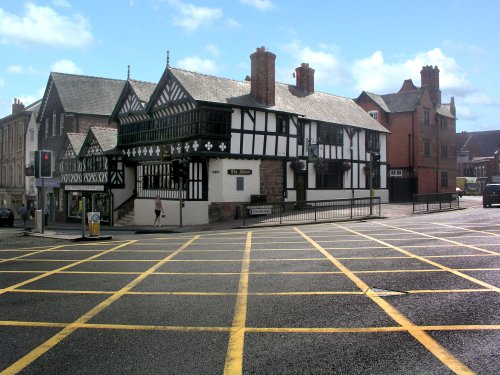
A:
(329, 175)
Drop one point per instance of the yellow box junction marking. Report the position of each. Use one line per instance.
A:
(70, 328)
(425, 260)
(234, 355)
(423, 337)
(468, 229)
(48, 273)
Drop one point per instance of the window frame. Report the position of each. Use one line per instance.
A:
(330, 134)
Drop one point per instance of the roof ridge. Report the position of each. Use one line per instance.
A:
(207, 75)
(89, 76)
(138, 80)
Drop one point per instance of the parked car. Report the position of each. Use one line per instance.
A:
(459, 192)
(6, 217)
(491, 194)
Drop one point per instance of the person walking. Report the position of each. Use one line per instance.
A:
(158, 211)
(23, 211)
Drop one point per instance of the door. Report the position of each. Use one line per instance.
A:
(300, 185)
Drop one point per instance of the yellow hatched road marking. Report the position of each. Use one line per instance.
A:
(48, 273)
(426, 260)
(70, 328)
(425, 339)
(31, 253)
(467, 229)
(234, 355)
(439, 238)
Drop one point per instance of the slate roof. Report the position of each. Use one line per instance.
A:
(289, 98)
(84, 94)
(143, 90)
(76, 140)
(107, 137)
(405, 101)
(488, 141)
(32, 108)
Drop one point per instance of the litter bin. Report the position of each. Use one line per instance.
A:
(94, 219)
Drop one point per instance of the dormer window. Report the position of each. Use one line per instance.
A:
(374, 115)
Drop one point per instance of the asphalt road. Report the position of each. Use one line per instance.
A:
(413, 295)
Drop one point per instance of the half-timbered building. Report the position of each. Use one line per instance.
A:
(207, 144)
(91, 168)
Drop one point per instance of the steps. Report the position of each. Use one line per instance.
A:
(128, 219)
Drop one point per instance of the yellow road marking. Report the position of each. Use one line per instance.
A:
(234, 355)
(70, 328)
(48, 273)
(425, 339)
(440, 239)
(425, 260)
(467, 229)
(139, 327)
(31, 253)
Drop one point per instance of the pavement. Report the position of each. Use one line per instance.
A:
(73, 231)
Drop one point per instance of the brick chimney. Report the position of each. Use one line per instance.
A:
(263, 76)
(430, 78)
(17, 106)
(305, 78)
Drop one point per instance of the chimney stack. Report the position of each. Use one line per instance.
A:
(305, 78)
(263, 76)
(430, 77)
(17, 106)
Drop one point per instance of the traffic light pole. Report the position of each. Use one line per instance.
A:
(42, 230)
(371, 183)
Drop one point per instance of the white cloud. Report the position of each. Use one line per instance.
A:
(329, 70)
(259, 4)
(375, 74)
(191, 17)
(482, 99)
(232, 23)
(43, 25)
(65, 66)
(18, 69)
(212, 49)
(61, 3)
(197, 64)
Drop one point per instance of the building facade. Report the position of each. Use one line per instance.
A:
(421, 147)
(17, 139)
(207, 144)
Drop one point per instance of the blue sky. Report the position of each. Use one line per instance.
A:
(352, 45)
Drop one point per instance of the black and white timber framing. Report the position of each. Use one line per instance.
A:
(206, 125)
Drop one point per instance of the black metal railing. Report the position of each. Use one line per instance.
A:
(435, 202)
(310, 211)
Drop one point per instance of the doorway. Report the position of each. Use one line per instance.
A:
(300, 185)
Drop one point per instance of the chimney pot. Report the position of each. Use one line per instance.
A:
(17, 106)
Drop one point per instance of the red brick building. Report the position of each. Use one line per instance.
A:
(421, 149)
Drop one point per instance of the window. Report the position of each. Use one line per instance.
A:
(373, 114)
(282, 122)
(427, 116)
(444, 151)
(396, 173)
(329, 175)
(54, 123)
(46, 130)
(330, 134)
(444, 179)
(427, 148)
(443, 122)
(372, 141)
(61, 124)
(300, 131)
(32, 135)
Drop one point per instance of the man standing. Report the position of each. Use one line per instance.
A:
(23, 211)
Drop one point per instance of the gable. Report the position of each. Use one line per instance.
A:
(172, 92)
(131, 104)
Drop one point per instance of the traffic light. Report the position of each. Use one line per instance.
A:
(375, 160)
(175, 171)
(45, 163)
(184, 171)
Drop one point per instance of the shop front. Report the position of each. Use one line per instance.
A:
(97, 199)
